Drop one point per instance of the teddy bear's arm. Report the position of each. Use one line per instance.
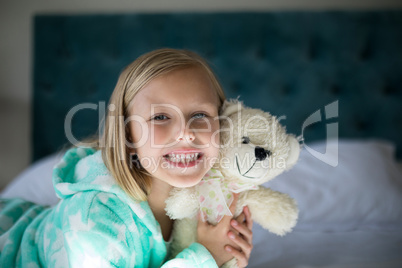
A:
(274, 211)
(182, 203)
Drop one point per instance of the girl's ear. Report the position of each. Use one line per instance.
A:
(130, 146)
(128, 135)
(230, 107)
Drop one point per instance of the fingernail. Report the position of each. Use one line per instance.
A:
(231, 235)
(235, 223)
(228, 249)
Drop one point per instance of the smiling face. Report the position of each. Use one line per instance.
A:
(174, 126)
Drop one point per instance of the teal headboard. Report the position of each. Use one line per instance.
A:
(288, 63)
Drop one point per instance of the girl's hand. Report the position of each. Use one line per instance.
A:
(243, 237)
(217, 239)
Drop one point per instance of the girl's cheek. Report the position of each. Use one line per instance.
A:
(214, 139)
(139, 131)
(159, 134)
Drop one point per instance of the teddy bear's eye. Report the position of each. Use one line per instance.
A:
(245, 140)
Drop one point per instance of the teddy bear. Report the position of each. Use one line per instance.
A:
(254, 148)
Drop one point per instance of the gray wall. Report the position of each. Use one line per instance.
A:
(15, 52)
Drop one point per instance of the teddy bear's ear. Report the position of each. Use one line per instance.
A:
(230, 107)
(294, 151)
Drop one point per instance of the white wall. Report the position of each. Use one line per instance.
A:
(15, 52)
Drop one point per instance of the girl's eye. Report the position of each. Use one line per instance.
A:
(199, 115)
(159, 117)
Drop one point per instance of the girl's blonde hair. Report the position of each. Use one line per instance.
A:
(133, 180)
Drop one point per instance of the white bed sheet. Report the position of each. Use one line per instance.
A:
(349, 249)
(35, 183)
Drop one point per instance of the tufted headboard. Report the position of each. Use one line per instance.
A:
(292, 64)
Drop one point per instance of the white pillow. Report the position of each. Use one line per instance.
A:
(363, 192)
(35, 183)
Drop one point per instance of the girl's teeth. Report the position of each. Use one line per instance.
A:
(183, 158)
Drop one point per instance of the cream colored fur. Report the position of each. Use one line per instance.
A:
(240, 162)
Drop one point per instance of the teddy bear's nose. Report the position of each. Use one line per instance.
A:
(261, 153)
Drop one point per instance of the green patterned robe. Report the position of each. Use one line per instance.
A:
(95, 224)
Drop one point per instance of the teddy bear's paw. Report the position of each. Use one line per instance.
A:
(279, 220)
(184, 234)
(181, 203)
(274, 211)
(230, 264)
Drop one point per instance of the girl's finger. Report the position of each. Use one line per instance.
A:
(241, 218)
(242, 260)
(243, 230)
(232, 207)
(249, 221)
(244, 245)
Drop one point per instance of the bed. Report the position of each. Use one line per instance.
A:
(333, 77)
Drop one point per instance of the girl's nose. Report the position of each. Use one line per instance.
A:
(186, 134)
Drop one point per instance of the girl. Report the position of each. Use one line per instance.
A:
(161, 131)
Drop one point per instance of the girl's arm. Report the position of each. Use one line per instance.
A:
(196, 255)
(110, 235)
(88, 249)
